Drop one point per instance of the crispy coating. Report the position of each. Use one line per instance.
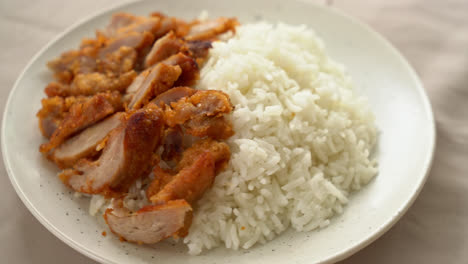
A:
(90, 84)
(126, 157)
(82, 115)
(150, 224)
(163, 48)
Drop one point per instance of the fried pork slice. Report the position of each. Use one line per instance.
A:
(180, 27)
(190, 71)
(157, 80)
(150, 224)
(161, 178)
(135, 40)
(219, 150)
(163, 48)
(173, 95)
(210, 29)
(73, 62)
(217, 127)
(190, 183)
(90, 84)
(201, 114)
(82, 115)
(126, 157)
(199, 49)
(53, 111)
(118, 62)
(86, 142)
(196, 173)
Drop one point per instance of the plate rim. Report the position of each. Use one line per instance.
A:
(341, 254)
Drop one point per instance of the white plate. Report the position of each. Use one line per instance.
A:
(405, 146)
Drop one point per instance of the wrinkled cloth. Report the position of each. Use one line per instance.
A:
(431, 34)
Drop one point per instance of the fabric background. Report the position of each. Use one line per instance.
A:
(432, 35)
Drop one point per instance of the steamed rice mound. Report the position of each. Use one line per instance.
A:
(302, 144)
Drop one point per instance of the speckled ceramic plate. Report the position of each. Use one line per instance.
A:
(405, 146)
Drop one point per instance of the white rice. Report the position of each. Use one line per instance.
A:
(302, 144)
(302, 141)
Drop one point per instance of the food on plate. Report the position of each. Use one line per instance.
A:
(207, 130)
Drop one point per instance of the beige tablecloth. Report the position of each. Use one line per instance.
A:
(433, 35)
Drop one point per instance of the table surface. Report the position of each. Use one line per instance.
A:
(432, 35)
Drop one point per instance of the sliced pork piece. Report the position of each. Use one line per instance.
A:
(167, 24)
(70, 63)
(150, 224)
(201, 113)
(158, 80)
(173, 95)
(90, 84)
(133, 88)
(53, 111)
(196, 172)
(190, 183)
(135, 40)
(163, 48)
(190, 71)
(199, 49)
(217, 127)
(203, 102)
(161, 178)
(126, 157)
(82, 115)
(118, 62)
(74, 62)
(85, 143)
(219, 150)
(210, 29)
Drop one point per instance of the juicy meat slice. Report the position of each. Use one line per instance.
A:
(190, 71)
(126, 157)
(190, 183)
(210, 29)
(91, 83)
(159, 79)
(196, 172)
(173, 95)
(82, 115)
(150, 224)
(163, 48)
(219, 150)
(85, 143)
(53, 111)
